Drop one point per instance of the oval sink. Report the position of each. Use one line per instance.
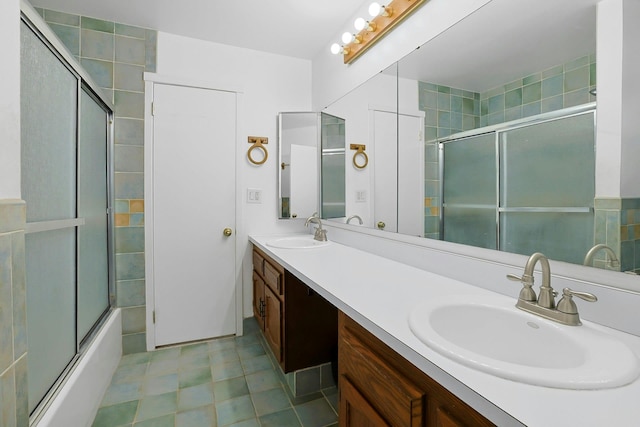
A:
(296, 242)
(492, 335)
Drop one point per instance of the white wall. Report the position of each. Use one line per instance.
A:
(10, 100)
(332, 79)
(618, 67)
(270, 84)
(383, 91)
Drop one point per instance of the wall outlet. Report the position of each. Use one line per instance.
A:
(254, 195)
(361, 196)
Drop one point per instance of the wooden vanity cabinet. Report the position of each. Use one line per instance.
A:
(378, 387)
(299, 325)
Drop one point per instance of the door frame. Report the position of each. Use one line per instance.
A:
(150, 80)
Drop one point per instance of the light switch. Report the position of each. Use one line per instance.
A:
(254, 195)
(361, 196)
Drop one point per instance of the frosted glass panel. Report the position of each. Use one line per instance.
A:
(549, 164)
(470, 226)
(470, 171)
(48, 114)
(333, 184)
(51, 302)
(93, 273)
(560, 236)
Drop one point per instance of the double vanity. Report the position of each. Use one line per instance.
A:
(417, 347)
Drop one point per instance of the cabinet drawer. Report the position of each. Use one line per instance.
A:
(403, 403)
(258, 262)
(273, 278)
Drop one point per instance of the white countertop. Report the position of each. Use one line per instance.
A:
(380, 293)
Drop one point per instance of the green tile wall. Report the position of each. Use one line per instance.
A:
(116, 56)
(617, 225)
(451, 110)
(14, 410)
(562, 86)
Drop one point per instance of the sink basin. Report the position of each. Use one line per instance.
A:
(490, 334)
(296, 242)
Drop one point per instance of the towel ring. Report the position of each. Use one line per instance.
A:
(258, 142)
(359, 150)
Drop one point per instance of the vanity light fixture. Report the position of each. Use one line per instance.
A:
(384, 18)
(360, 24)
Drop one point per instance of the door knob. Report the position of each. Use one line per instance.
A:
(381, 225)
(227, 232)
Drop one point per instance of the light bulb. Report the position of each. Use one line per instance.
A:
(336, 48)
(374, 9)
(347, 37)
(360, 24)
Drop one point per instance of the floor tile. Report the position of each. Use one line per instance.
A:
(228, 382)
(116, 415)
(316, 413)
(261, 381)
(253, 422)
(224, 356)
(280, 419)
(250, 351)
(164, 421)
(198, 417)
(222, 344)
(190, 349)
(191, 361)
(160, 384)
(269, 401)
(194, 377)
(235, 410)
(154, 406)
(193, 397)
(122, 392)
(224, 371)
(129, 373)
(164, 366)
(260, 363)
(165, 354)
(229, 389)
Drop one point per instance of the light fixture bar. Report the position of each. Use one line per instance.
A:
(382, 24)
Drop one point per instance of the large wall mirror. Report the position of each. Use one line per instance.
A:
(486, 136)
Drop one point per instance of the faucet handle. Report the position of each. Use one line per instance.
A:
(567, 305)
(526, 293)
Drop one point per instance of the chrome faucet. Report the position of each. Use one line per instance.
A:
(320, 233)
(612, 260)
(356, 217)
(544, 305)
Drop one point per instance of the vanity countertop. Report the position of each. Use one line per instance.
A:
(380, 293)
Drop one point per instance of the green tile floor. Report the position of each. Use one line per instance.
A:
(223, 382)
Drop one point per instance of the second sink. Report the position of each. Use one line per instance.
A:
(491, 335)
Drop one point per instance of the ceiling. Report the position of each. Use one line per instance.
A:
(298, 28)
(503, 41)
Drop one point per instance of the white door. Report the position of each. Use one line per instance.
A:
(194, 135)
(304, 180)
(385, 167)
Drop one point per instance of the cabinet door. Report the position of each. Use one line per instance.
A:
(355, 410)
(258, 299)
(273, 322)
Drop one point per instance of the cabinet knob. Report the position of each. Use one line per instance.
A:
(381, 225)
(227, 232)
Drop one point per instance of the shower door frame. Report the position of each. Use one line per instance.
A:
(85, 84)
(497, 130)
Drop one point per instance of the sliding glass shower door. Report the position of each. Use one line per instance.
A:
(522, 187)
(65, 174)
